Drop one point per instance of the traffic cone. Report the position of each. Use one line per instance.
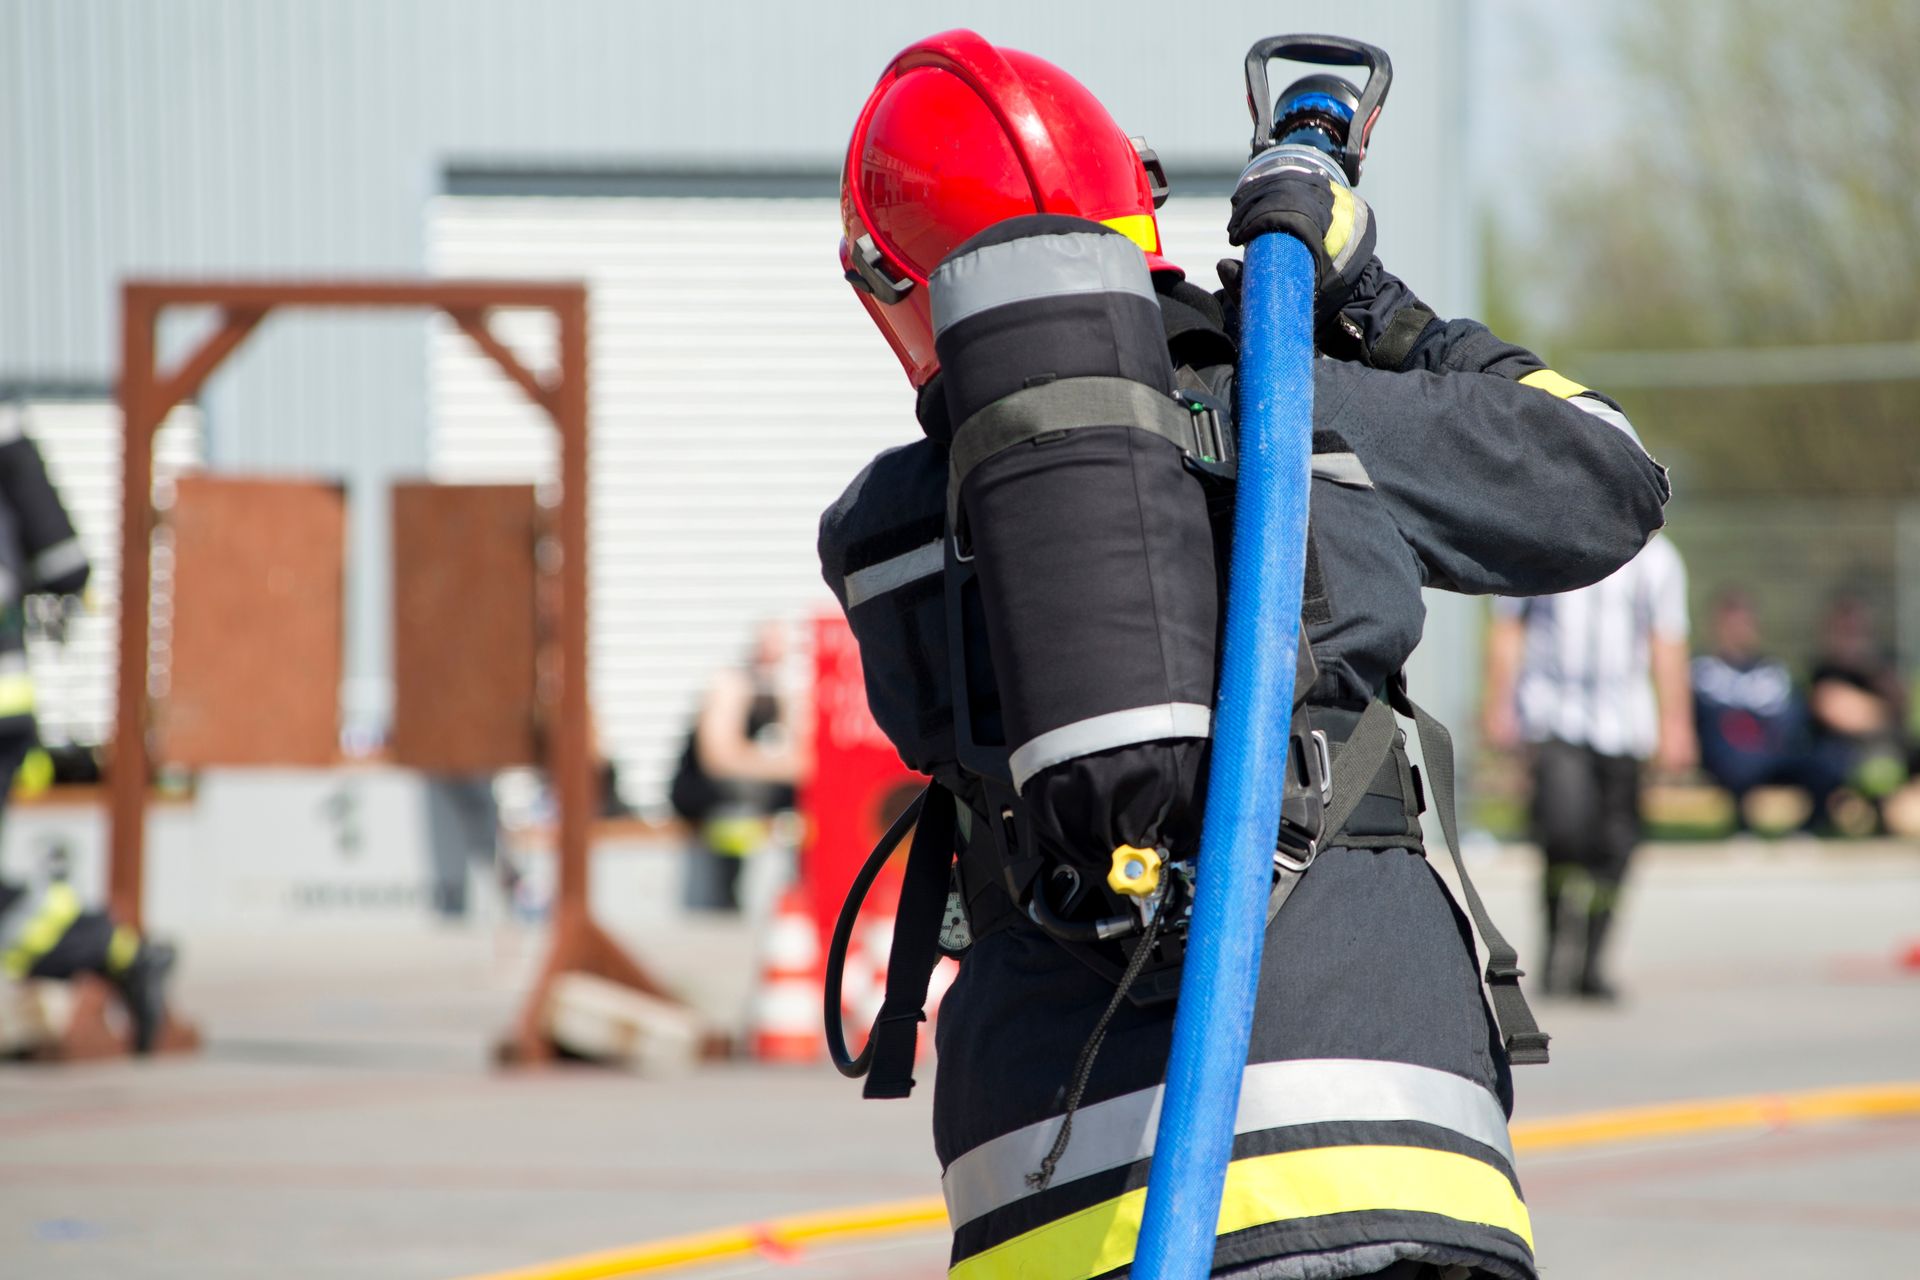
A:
(864, 988)
(786, 1007)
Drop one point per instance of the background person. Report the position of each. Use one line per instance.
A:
(1596, 681)
(1858, 710)
(46, 931)
(1750, 718)
(739, 769)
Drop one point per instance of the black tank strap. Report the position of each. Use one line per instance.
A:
(916, 948)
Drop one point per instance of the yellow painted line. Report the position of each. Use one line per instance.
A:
(1716, 1115)
(1530, 1137)
(775, 1235)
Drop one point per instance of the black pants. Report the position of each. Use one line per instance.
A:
(88, 941)
(83, 948)
(1586, 809)
(1586, 816)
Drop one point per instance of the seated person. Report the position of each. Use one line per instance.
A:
(1857, 705)
(1752, 722)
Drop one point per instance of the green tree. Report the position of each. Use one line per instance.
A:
(1763, 189)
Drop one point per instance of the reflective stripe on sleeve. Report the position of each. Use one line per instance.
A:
(1554, 384)
(1103, 733)
(1261, 1190)
(1343, 469)
(863, 585)
(1607, 414)
(1273, 1095)
(16, 696)
(55, 913)
(57, 561)
(16, 685)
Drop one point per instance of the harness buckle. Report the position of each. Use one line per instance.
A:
(1303, 810)
(1210, 450)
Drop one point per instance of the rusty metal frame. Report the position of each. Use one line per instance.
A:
(147, 396)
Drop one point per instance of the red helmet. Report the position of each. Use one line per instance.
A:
(959, 135)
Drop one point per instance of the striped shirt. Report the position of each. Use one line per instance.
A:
(1586, 675)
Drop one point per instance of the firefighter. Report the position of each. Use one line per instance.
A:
(46, 930)
(1373, 1116)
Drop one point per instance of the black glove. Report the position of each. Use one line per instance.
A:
(1333, 222)
(1381, 323)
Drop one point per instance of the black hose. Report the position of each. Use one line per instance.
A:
(1041, 912)
(845, 1063)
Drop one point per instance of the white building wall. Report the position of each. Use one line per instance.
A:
(303, 137)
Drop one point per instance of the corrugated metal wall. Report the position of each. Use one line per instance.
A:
(278, 137)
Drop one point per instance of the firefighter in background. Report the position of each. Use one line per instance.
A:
(46, 931)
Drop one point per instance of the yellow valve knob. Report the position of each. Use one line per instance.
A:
(1135, 872)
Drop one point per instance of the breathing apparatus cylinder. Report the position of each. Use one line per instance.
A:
(1088, 532)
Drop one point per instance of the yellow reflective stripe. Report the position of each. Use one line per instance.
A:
(1553, 384)
(16, 694)
(1137, 227)
(1341, 228)
(35, 774)
(123, 950)
(1266, 1189)
(59, 908)
(736, 837)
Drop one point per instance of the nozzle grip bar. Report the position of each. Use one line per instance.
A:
(1329, 51)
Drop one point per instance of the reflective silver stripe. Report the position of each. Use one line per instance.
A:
(890, 575)
(13, 664)
(1273, 1095)
(59, 560)
(1101, 733)
(13, 423)
(1036, 267)
(1607, 414)
(1341, 468)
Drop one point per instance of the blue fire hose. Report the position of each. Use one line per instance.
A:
(1251, 722)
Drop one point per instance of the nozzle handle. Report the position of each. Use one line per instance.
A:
(1326, 51)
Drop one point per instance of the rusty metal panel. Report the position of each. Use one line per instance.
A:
(254, 657)
(465, 632)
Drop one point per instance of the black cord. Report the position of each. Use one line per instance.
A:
(1083, 1069)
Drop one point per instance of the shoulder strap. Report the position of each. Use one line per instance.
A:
(1526, 1043)
(1361, 756)
(916, 948)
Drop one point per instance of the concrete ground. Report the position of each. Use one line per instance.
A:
(344, 1121)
